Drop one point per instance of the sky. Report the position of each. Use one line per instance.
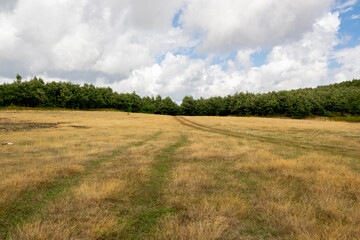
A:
(176, 48)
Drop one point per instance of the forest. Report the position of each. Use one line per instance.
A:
(336, 99)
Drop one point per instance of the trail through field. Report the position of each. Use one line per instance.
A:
(354, 152)
(32, 200)
(148, 204)
(138, 211)
(143, 176)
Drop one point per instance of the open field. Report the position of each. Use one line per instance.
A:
(113, 175)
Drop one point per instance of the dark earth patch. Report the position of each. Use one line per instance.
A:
(23, 126)
(76, 126)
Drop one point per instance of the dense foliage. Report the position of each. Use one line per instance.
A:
(341, 98)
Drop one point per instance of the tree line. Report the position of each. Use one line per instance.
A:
(341, 98)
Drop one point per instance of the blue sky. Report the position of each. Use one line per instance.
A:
(350, 27)
(182, 47)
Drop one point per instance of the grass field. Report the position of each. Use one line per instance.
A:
(113, 175)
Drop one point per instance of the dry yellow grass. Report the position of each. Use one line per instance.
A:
(112, 175)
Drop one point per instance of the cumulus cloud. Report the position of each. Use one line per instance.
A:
(133, 45)
(7, 5)
(243, 58)
(350, 63)
(302, 63)
(6, 80)
(179, 75)
(119, 36)
(239, 23)
(109, 36)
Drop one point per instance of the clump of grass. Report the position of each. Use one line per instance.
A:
(354, 119)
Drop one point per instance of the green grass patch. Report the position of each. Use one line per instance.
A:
(20, 108)
(148, 204)
(354, 119)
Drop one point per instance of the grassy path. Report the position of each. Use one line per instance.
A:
(31, 201)
(316, 147)
(148, 205)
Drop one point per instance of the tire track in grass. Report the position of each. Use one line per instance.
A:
(316, 147)
(255, 225)
(16, 211)
(148, 205)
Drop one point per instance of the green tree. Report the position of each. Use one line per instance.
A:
(188, 107)
(18, 78)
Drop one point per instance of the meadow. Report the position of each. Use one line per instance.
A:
(116, 175)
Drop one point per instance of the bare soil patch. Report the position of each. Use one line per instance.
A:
(77, 126)
(23, 126)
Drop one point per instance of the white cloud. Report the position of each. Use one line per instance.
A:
(243, 58)
(346, 6)
(117, 37)
(239, 23)
(355, 16)
(299, 64)
(114, 37)
(349, 58)
(8, 37)
(153, 14)
(177, 76)
(77, 50)
(6, 80)
(120, 43)
(303, 63)
(7, 5)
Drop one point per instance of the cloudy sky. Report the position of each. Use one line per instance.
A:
(182, 47)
